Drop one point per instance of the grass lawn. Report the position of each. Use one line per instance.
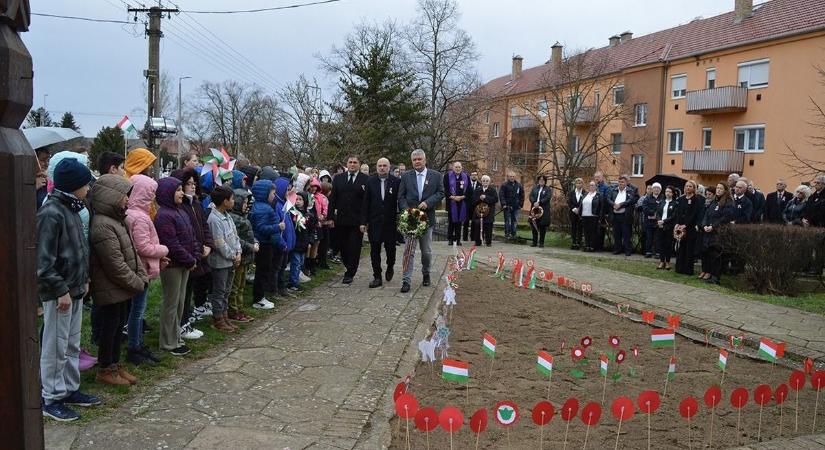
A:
(114, 396)
(812, 300)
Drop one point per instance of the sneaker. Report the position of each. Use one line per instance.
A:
(135, 356)
(180, 351)
(188, 332)
(147, 354)
(303, 278)
(125, 331)
(59, 412)
(78, 398)
(295, 289)
(263, 304)
(287, 293)
(201, 311)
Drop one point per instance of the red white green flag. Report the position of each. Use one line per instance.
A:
(456, 371)
(662, 337)
(126, 125)
(530, 278)
(768, 349)
(518, 274)
(723, 359)
(603, 365)
(545, 363)
(489, 345)
(500, 267)
(671, 368)
(471, 261)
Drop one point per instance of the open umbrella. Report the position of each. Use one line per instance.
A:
(43, 136)
(668, 179)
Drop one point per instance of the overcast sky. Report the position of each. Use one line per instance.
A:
(95, 70)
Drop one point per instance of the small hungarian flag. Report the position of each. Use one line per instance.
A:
(671, 368)
(723, 359)
(126, 125)
(472, 263)
(518, 274)
(768, 349)
(531, 278)
(457, 371)
(500, 266)
(489, 345)
(545, 363)
(662, 337)
(603, 365)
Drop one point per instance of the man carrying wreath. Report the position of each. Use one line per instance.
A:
(421, 188)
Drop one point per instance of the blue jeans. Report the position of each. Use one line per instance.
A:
(408, 260)
(135, 324)
(511, 221)
(296, 263)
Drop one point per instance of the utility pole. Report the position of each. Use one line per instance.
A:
(180, 116)
(152, 74)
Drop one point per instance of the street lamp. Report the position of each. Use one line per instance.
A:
(180, 115)
(42, 116)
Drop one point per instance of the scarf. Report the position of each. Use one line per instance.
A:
(458, 210)
(75, 204)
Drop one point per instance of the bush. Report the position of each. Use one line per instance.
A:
(559, 215)
(773, 255)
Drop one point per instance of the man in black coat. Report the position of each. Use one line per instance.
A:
(511, 195)
(345, 204)
(744, 206)
(622, 200)
(776, 202)
(474, 182)
(757, 201)
(380, 218)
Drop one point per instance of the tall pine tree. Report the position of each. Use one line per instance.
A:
(109, 139)
(67, 121)
(39, 118)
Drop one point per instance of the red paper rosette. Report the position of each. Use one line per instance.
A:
(674, 321)
(762, 394)
(621, 356)
(577, 353)
(506, 413)
(406, 406)
(543, 413)
(586, 341)
(615, 341)
(570, 409)
(781, 393)
(591, 413)
(797, 380)
(739, 397)
(478, 423)
(818, 380)
(648, 402)
(426, 419)
(451, 419)
(688, 407)
(622, 408)
(400, 388)
(713, 396)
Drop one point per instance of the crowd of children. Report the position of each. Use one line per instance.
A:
(105, 239)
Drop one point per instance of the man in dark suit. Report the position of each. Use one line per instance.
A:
(380, 218)
(776, 202)
(622, 201)
(744, 206)
(420, 188)
(474, 182)
(757, 201)
(345, 203)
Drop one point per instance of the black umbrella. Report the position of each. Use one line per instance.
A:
(668, 179)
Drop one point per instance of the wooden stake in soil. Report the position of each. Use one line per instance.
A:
(566, 428)
(619, 430)
(541, 433)
(816, 407)
(712, 413)
(690, 446)
(780, 418)
(451, 433)
(586, 434)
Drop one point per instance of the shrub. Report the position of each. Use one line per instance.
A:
(773, 255)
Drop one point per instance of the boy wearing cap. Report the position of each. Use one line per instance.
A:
(62, 281)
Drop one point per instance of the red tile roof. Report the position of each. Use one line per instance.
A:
(770, 20)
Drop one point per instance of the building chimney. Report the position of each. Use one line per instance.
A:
(556, 54)
(614, 40)
(742, 10)
(516, 67)
(626, 36)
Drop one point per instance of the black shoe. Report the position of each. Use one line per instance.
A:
(449, 243)
(426, 281)
(180, 351)
(389, 274)
(617, 253)
(405, 287)
(147, 354)
(541, 245)
(347, 280)
(376, 282)
(489, 244)
(134, 356)
(648, 255)
(458, 243)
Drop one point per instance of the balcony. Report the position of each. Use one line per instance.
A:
(719, 100)
(713, 161)
(586, 115)
(523, 122)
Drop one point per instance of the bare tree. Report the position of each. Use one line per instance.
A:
(805, 166)
(302, 111)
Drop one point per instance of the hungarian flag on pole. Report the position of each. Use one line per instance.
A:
(500, 267)
(662, 337)
(531, 278)
(545, 363)
(768, 349)
(603, 365)
(471, 261)
(518, 274)
(126, 125)
(489, 345)
(723, 359)
(457, 371)
(671, 368)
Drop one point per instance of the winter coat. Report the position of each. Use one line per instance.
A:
(53, 162)
(144, 234)
(304, 234)
(243, 226)
(281, 186)
(174, 226)
(511, 194)
(203, 235)
(263, 217)
(226, 240)
(116, 269)
(268, 173)
(717, 217)
(238, 179)
(490, 198)
(544, 202)
(795, 211)
(321, 200)
(62, 250)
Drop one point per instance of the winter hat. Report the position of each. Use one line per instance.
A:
(137, 161)
(268, 173)
(70, 175)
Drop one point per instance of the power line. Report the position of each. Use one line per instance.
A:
(86, 19)
(274, 8)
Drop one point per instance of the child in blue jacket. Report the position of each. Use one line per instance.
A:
(268, 226)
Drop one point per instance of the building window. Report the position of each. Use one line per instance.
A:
(675, 141)
(638, 165)
(495, 130)
(750, 138)
(575, 102)
(573, 145)
(495, 164)
(541, 145)
(711, 78)
(487, 118)
(616, 139)
(542, 107)
(641, 114)
(513, 111)
(707, 136)
(678, 86)
(618, 95)
(598, 99)
(754, 74)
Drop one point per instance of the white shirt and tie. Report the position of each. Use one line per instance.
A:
(664, 210)
(383, 186)
(421, 178)
(621, 197)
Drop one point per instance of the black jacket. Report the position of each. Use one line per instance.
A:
(470, 193)
(650, 205)
(688, 212)
(716, 217)
(815, 211)
(774, 209)
(544, 202)
(62, 250)
(744, 209)
(347, 199)
(597, 206)
(794, 212)
(573, 202)
(631, 197)
(758, 200)
(671, 212)
(490, 198)
(511, 194)
(381, 216)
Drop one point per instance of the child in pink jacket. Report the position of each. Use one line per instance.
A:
(321, 204)
(153, 256)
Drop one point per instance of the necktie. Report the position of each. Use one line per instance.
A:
(351, 178)
(420, 184)
(779, 197)
(382, 189)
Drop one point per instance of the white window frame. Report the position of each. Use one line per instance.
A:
(495, 165)
(487, 117)
(613, 143)
(542, 146)
(708, 79)
(746, 129)
(749, 65)
(680, 140)
(636, 109)
(513, 111)
(597, 98)
(707, 132)
(618, 88)
(542, 108)
(641, 159)
(575, 139)
(682, 93)
(496, 129)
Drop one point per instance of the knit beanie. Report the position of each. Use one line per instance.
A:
(137, 161)
(70, 175)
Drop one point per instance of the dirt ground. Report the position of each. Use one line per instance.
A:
(525, 321)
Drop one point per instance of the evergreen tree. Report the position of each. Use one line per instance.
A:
(109, 139)
(39, 118)
(67, 121)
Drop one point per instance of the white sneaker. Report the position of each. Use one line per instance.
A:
(201, 311)
(263, 304)
(187, 332)
(303, 278)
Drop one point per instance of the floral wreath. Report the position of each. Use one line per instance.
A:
(412, 222)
